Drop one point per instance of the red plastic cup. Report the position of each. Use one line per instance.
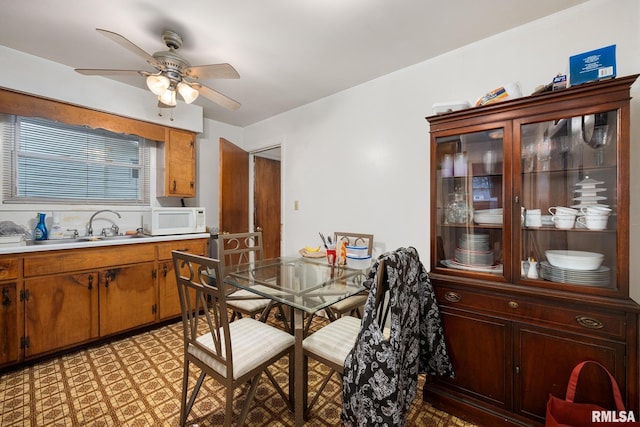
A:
(331, 256)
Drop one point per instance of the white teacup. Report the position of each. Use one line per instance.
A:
(561, 210)
(564, 221)
(594, 222)
(595, 210)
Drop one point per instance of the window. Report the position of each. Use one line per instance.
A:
(47, 161)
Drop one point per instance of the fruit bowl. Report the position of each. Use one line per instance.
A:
(574, 260)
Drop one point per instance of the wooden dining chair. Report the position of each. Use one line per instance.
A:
(224, 350)
(237, 249)
(331, 344)
(352, 305)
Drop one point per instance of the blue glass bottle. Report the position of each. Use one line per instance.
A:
(41, 233)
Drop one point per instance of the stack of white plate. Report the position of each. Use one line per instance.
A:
(599, 277)
(467, 257)
(488, 216)
(474, 242)
(588, 193)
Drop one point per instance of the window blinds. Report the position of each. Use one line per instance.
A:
(51, 161)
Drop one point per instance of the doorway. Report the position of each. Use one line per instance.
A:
(267, 201)
(250, 193)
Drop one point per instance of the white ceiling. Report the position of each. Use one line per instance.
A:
(288, 52)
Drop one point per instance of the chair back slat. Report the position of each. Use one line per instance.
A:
(203, 305)
(239, 248)
(355, 239)
(382, 306)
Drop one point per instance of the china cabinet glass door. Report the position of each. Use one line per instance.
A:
(469, 193)
(568, 178)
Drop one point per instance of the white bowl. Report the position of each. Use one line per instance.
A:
(574, 260)
(359, 263)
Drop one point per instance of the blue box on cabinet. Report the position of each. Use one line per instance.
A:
(593, 65)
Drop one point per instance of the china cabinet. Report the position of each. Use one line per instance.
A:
(530, 250)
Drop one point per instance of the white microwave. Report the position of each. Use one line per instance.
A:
(165, 221)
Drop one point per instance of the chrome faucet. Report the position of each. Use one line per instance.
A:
(90, 229)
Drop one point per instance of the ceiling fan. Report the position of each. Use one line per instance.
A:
(174, 73)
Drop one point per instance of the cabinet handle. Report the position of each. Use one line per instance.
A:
(513, 304)
(589, 322)
(6, 301)
(452, 297)
(165, 270)
(174, 185)
(90, 278)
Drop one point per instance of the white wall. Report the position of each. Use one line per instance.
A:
(358, 160)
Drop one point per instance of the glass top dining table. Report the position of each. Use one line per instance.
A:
(305, 285)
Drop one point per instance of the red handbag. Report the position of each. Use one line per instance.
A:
(567, 413)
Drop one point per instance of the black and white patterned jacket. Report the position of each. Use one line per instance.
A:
(381, 375)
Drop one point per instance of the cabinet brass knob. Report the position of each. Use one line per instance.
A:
(452, 297)
(589, 322)
(513, 304)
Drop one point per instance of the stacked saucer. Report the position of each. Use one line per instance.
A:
(588, 193)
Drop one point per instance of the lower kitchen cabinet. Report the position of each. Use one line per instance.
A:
(9, 323)
(52, 301)
(168, 297)
(127, 298)
(61, 311)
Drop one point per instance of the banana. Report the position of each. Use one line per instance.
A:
(310, 249)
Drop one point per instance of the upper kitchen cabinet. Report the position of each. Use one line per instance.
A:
(535, 192)
(179, 161)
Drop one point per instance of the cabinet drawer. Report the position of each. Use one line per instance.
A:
(196, 247)
(600, 323)
(8, 268)
(88, 259)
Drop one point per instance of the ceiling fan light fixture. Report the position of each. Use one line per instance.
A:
(168, 97)
(158, 84)
(188, 93)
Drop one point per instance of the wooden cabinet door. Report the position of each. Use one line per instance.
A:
(168, 298)
(545, 359)
(127, 298)
(9, 323)
(480, 348)
(61, 311)
(180, 158)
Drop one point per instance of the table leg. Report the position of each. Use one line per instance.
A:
(300, 377)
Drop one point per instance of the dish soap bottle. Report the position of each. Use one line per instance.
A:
(57, 232)
(40, 232)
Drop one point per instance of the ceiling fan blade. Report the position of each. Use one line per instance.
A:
(107, 72)
(131, 48)
(217, 97)
(213, 71)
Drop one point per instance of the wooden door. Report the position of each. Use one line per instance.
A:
(234, 188)
(127, 298)
(545, 359)
(9, 324)
(480, 349)
(61, 311)
(266, 198)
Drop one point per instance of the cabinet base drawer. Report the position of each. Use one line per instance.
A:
(600, 323)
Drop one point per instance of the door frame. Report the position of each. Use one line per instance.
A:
(257, 152)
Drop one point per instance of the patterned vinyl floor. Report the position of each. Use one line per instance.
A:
(136, 382)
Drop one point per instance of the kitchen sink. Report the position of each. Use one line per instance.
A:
(84, 239)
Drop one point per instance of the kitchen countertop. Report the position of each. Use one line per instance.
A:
(98, 243)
